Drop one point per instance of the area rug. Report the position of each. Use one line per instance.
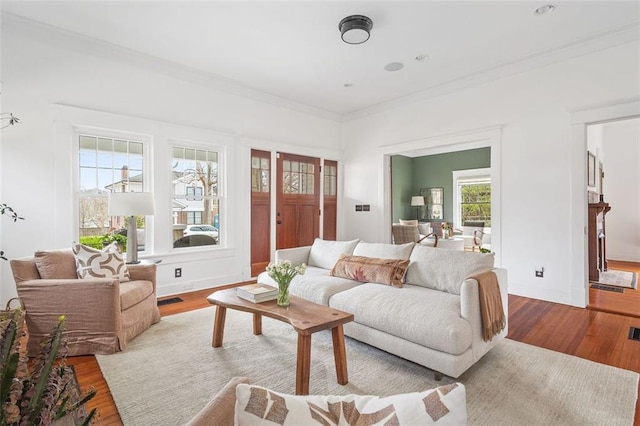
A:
(619, 278)
(170, 371)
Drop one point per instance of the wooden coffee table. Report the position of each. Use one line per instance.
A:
(304, 316)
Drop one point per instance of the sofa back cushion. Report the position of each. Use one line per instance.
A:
(445, 270)
(256, 405)
(371, 269)
(324, 254)
(56, 264)
(384, 251)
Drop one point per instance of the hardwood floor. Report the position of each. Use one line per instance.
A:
(595, 335)
(626, 303)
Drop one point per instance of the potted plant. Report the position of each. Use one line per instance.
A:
(112, 237)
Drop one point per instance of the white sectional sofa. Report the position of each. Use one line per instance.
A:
(433, 320)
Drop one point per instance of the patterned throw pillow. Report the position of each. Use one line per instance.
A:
(371, 269)
(105, 263)
(445, 405)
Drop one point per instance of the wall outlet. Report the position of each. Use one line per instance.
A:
(178, 272)
(540, 272)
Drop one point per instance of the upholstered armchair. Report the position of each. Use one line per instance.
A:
(102, 314)
(473, 234)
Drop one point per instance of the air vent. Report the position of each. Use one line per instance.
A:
(169, 301)
(607, 288)
(634, 333)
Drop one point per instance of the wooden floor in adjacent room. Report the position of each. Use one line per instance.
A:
(627, 302)
(595, 335)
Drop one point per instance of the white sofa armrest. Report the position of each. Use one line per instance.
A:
(296, 255)
(470, 310)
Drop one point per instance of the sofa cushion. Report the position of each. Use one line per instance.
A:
(56, 264)
(105, 263)
(316, 285)
(445, 270)
(134, 292)
(384, 251)
(371, 269)
(420, 315)
(325, 254)
(256, 405)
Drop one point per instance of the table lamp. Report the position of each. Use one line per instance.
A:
(131, 204)
(417, 201)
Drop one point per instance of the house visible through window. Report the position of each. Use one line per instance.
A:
(196, 197)
(107, 164)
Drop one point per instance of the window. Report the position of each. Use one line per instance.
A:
(298, 177)
(330, 180)
(196, 196)
(107, 164)
(472, 197)
(260, 171)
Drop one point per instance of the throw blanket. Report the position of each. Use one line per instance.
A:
(491, 311)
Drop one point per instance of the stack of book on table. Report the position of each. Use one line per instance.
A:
(257, 293)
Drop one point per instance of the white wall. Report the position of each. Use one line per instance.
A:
(533, 109)
(621, 145)
(42, 71)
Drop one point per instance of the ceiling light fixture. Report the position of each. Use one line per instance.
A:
(355, 29)
(422, 57)
(393, 66)
(544, 9)
(348, 85)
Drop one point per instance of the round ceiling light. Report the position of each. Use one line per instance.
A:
(355, 29)
(544, 9)
(393, 66)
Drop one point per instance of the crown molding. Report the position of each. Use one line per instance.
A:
(601, 41)
(95, 47)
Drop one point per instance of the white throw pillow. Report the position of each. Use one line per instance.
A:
(384, 251)
(445, 270)
(445, 405)
(324, 254)
(105, 263)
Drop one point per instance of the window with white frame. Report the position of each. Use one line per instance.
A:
(107, 164)
(472, 197)
(196, 196)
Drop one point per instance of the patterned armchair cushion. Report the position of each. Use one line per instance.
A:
(256, 405)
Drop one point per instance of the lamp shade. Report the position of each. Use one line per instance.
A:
(417, 200)
(130, 204)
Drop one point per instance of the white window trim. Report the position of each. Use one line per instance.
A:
(221, 197)
(465, 175)
(147, 156)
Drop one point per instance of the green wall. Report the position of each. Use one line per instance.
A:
(402, 187)
(429, 172)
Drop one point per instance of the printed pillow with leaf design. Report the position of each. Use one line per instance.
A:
(445, 405)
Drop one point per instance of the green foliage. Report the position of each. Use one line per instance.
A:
(109, 238)
(8, 210)
(95, 242)
(45, 393)
(476, 203)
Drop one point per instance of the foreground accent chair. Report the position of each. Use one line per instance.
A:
(102, 314)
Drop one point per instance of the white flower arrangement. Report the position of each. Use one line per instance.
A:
(283, 271)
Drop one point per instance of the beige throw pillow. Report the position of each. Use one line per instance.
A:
(445, 405)
(55, 264)
(105, 263)
(371, 269)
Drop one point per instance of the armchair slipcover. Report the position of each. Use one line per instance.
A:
(102, 314)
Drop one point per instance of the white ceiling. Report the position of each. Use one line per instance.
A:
(293, 49)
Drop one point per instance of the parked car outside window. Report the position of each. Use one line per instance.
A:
(208, 230)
